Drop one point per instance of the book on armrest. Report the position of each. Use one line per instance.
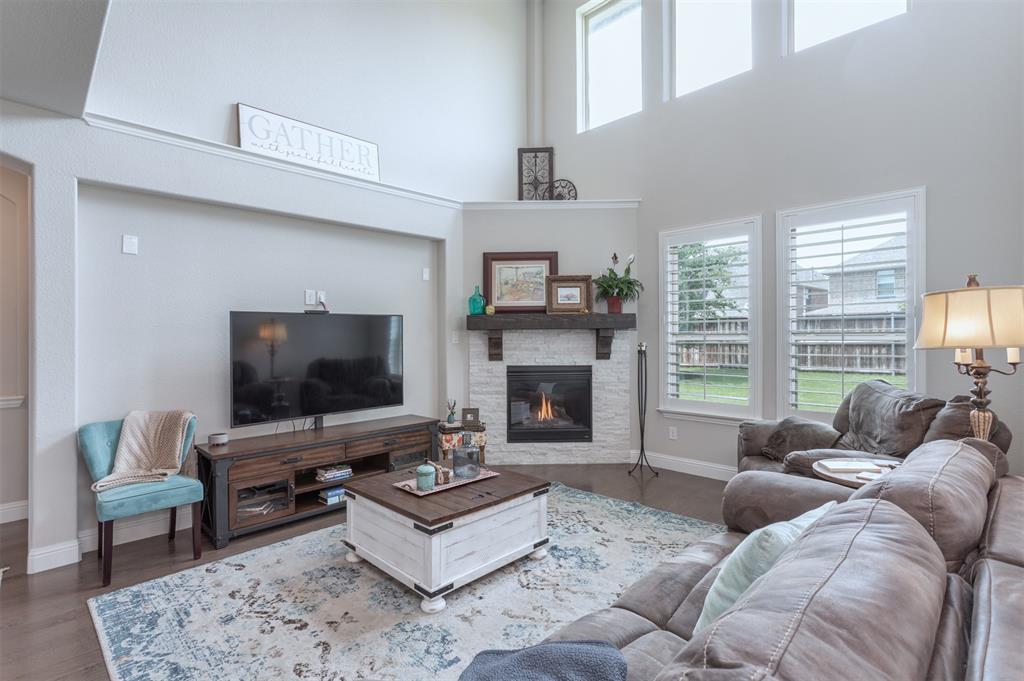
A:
(851, 466)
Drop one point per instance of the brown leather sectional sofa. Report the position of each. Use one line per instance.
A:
(917, 575)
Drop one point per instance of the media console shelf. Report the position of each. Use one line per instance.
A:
(258, 482)
(603, 324)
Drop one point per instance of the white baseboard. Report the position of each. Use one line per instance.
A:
(680, 464)
(52, 556)
(140, 527)
(14, 510)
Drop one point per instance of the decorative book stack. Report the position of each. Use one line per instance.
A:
(331, 473)
(450, 436)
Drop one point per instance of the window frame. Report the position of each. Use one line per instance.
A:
(583, 14)
(789, 27)
(751, 226)
(914, 200)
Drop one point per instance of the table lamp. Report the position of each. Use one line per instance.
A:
(971, 320)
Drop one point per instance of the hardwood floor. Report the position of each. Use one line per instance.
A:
(46, 632)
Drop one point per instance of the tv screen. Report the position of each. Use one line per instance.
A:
(289, 365)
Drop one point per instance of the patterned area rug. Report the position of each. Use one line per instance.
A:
(297, 610)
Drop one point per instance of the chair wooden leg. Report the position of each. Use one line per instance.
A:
(197, 537)
(108, 550)
(99, 539)
(174, 522)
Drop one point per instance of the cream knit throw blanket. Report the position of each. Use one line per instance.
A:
(149, 449)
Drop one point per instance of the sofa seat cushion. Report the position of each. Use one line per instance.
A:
(129, 500)
(884, 419)
(944, 485)
(997, 622)
(858, 595)
(646, 656)
(1003, 538)
(760, 463)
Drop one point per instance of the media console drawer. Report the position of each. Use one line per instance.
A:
(401, 443)
(286, 461)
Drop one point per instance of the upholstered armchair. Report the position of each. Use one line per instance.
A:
(98, 443)
(876, 420)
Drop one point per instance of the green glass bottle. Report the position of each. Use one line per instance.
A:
(476, 302)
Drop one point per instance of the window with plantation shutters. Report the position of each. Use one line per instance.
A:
(709, 318)
(848, 295)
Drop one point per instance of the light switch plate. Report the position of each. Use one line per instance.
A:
(129, 244)
(426, 274)
(310, 297)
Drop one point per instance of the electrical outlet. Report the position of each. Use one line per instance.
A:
(321, 297)
(310, 297)
(455, 338)
(129, 244)
(673, 433)
(426, 274)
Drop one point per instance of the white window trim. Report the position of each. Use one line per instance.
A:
(915, 284)
(583, 13)
(723, 413)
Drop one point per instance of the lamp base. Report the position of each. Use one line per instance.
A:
(981, 423)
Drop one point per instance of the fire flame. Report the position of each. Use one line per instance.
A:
(545, 413)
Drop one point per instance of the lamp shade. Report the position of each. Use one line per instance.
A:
(973, 317)
(273, 332)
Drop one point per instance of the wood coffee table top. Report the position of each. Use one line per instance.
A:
(448, 505)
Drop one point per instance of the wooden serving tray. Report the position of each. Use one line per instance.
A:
(410, 485)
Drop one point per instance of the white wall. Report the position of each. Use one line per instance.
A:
(440, 86)
(931, 98)
(153, 330)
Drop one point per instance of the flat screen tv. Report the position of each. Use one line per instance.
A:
(290, 365)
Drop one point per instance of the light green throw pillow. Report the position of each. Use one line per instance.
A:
(754, 556)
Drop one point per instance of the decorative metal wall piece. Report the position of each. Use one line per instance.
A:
(563, 190)
(536, 170)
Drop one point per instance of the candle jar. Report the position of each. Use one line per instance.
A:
(466, 461)
(425, 475)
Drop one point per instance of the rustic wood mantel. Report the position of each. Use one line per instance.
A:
(603, 324)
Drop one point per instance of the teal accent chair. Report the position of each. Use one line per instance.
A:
(98, 443)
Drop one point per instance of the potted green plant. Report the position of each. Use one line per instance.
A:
(616, 288)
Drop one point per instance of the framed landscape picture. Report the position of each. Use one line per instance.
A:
(517, 281)
(570, 294)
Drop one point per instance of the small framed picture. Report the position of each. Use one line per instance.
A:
(569, 294)
(536, 173)
(470, 415)
(514, 281)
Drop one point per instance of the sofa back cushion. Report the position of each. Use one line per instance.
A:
(884, 419)
(953, 422)
(944, 485)
(858, 595)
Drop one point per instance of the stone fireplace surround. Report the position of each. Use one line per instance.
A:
(612, 387)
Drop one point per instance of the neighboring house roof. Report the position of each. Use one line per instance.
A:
(878, 258)
(866, 309)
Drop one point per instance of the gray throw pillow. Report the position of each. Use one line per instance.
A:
(795, 434)
(953, 422)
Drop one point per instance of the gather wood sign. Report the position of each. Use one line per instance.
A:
(269, 134)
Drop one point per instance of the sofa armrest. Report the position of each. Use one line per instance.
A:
(800, 463)
(754, 499)
(752, 437)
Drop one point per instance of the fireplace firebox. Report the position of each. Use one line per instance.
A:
(549, 404)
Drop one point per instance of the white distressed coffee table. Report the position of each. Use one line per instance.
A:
(437, 543)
